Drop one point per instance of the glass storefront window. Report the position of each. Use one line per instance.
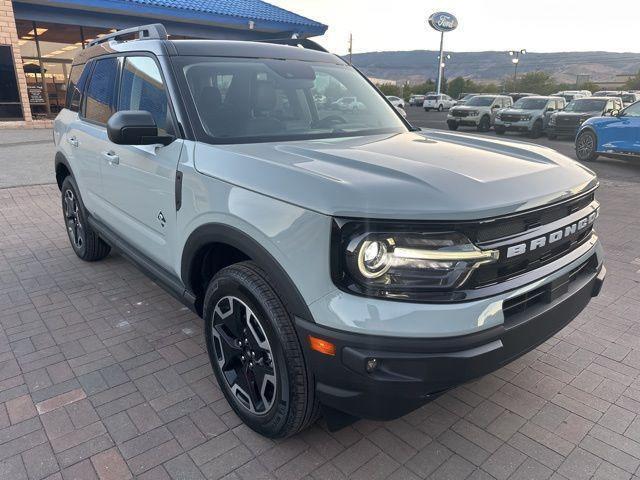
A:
(47, 50)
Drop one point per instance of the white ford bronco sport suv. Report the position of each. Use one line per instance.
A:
(344, 262)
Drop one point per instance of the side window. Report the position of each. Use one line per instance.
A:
(632, 110)
(98, 105)
(608, 106)
(142, 88)
(77, 80)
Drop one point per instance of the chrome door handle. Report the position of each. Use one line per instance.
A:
(73, 141)
(111, 157)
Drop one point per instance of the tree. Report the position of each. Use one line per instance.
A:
(633, 83)
(538, 82)
(390, 89)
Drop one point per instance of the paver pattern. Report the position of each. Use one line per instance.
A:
(104, 375)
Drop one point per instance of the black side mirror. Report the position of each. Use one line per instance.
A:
(135, 127)
(615, 112)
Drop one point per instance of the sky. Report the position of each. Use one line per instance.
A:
(540, 26)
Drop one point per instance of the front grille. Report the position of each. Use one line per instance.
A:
(509, 232)
(459, 113)
(510, 117)
(547, 293)
(567, 121)
(506, 228)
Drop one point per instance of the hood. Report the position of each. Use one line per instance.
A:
(578, 114)
(519, 111)
(433, 175)
(466, 107)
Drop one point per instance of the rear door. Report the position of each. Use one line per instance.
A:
(88, 136)
(138, 182)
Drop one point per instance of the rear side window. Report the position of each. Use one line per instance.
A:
(100, 92)
(77, 80)
(142, 88)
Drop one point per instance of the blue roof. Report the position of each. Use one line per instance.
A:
(231, 12)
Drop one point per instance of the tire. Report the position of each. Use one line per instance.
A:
(500, 130)
(586, 144)
(285, 402)
(426, 109)
(86, 243)
(552, 136)
(485, 124)
(536, 131)
(440, 108)
(452, 125)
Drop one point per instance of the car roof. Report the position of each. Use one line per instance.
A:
(209, 48)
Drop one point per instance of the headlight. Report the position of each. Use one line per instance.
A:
(385, 262)
(526, 118)
(473, 113)
(499, 116)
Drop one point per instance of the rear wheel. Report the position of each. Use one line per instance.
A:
(452, 125)
(586, 146)
(255, 353)
(86, 243)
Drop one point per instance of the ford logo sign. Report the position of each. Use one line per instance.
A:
(443, 21)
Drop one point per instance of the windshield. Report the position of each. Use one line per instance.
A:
(480, 101)
(530, 103)
(585, 105)
(431, 97)
(469, 96)
(255, 100)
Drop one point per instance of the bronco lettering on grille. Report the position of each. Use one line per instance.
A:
(549, 238)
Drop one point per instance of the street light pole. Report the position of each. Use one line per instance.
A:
(515, 54)
(442, 64)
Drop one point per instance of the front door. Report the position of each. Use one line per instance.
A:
(622, 133)
(138, 182)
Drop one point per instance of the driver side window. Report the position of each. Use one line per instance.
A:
(632, 110)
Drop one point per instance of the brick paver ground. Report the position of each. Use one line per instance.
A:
(103, 375)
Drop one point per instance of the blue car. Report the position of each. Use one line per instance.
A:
(617, 135)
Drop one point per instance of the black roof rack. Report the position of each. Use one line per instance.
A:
(152, 31)
(296, 42)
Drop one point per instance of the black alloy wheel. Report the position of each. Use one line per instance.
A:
(256, 354)
(85, 242)
(586, 146)
(244, 355)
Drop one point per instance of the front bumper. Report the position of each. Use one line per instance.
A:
(521, 126)
(464, 121)
(412, 371)
(563, 130)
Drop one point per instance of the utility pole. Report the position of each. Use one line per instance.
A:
(350, 47)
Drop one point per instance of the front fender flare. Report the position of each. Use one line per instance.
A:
(225, 234)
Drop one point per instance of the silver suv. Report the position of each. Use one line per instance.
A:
(343, 262)
(528, 115)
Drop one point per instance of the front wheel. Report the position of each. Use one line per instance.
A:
(426, 109)
(586, 146)
(255, 353)
(485, 124)
(452, 125)
(86, 243)
(536, 130)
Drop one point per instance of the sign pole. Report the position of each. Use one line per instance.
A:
(440, 60)
(442, 22)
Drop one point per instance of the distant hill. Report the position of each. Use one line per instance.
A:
(418, 65)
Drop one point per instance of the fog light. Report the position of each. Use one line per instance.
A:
(372, 364)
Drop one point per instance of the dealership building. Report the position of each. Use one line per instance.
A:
(39, 38)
